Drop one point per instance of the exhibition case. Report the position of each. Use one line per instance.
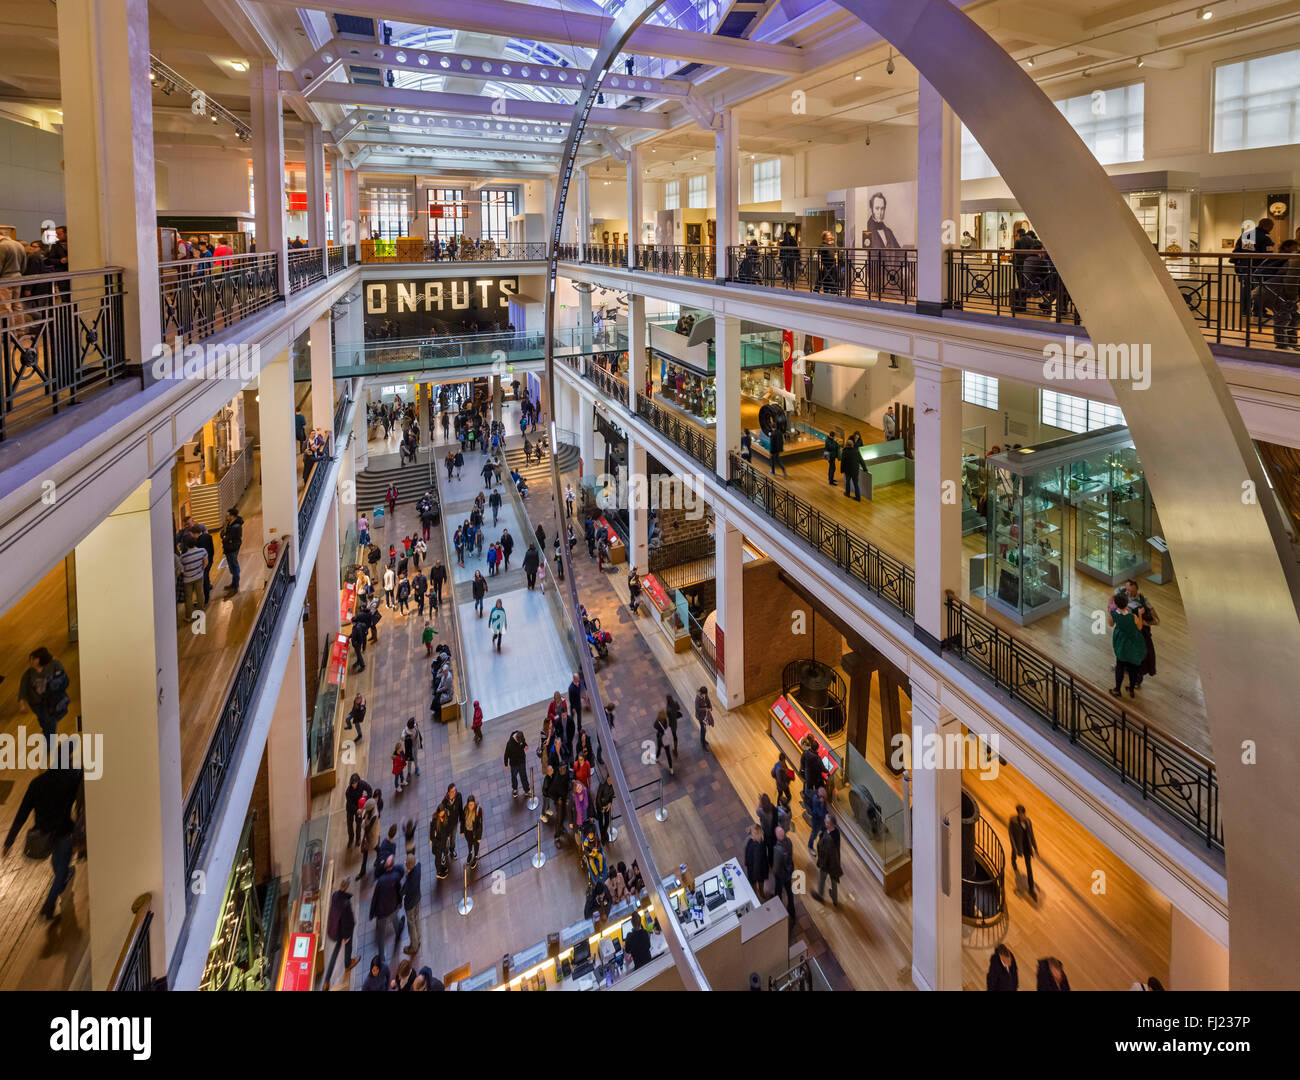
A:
(1112, 511)
(1028, 534)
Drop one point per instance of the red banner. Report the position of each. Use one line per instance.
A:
(787, 357)
(297, 202)
(338, 660)
(791, 718)
(298, 962)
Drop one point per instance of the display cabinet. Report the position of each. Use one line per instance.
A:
(1028, 536)
(1112, 514)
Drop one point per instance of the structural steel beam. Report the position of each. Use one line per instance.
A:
(477, 129)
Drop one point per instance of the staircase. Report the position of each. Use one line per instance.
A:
(412, 480)
(533, 471)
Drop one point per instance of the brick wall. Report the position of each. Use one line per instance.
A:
(770, 638)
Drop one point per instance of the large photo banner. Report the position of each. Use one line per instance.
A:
(430, 307)
(886, 215)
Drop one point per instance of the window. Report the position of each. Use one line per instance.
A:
(981, 390)
(390, 212)
(497, 206)
(698, 192)
(672, 196)
(767, 180)
(1257, 102)
(1110, 122)
(447, 212)
(1076, 414)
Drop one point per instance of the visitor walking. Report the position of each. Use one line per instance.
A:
(497, 624)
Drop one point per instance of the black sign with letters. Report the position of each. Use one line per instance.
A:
(430, 306)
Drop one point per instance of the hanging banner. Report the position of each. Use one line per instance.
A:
(787, 356)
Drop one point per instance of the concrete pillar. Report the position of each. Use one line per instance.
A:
(328, 578)
(1196, 960)
(584, 215)
(314, 149)
(279, 455)
(936, 844)
(129, 684)
(585, 328)
(636, 344)
(338, 201)
(726, 176)
(938, 197)
(346, 508)
(726, 352)
(286, 757)
(633, 206)
(638, 495)
(587, 436)
(266, 110)
(729, 644)
(937, 517)
(108, 155)
(352, 215)
(322, 372)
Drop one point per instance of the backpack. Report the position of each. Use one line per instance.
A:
(56, 696)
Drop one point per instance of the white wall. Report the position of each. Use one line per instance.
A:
(206, 181)
(31, 178)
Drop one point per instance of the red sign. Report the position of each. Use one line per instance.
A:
(791, 718)
(787, 357)
(298, 962)
(347, 601)
(651, 585)
(614, 541)
(297, 202)
(338, 660)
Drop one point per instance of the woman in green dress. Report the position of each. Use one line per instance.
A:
(1126, 638)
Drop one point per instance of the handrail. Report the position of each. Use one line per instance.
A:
(307, 266)
(197, 298)
(989, 847)
(134, 967)
(885, 274)
(692, 438)
(1169, 773)
(461, 674)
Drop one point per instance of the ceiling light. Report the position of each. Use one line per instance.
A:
(857, 76)
(1141, 62)
(1031, 61)
(153, 76)
(1204, 13)
(239, 65)
(889, 67)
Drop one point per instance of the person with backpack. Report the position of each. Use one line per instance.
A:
(497, 624)
(340, 926)
(403, 596)
(437, 578)
(784, 776)
(51, 797)
(43, 689)
(412, 744)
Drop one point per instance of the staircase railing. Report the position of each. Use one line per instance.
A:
(134, 967)
(983, 900)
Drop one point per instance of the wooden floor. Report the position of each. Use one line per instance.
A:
(1172, 701)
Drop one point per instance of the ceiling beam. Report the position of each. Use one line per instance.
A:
(447, 141)
(504, 110)
(473, 128)
(338, 53)
(572, 28)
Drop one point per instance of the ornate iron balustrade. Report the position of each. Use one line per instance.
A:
(337, 257)
(680, 260)
(609, 384)
(889, 578)
(983, 900)
(883, 274)
(572, 359)
(489, 252)
(62, 338)
(223, 746)
(606, 254)
(1167, 772)
(663, 556)
(306, 267)
(693, 439)
(312, 495)
(134, 968)
(198, 298)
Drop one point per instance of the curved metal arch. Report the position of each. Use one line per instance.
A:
(625, 22)
(1236, 574)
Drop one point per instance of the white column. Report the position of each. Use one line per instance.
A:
(313, 140)
(346, 508)
(936, 845)
(633, 205)
(638, 493)
(938, 196)
(338, 201)
(352, 214)
(322, 372)
(286, 760)
(937, 487)
(587, 436)
(729, 578)
(328, 576)
(267, 113)
(279, 455)
(129, 686)
(726, 176)
(584, 213)
(726, 352)
(585, 327)
(108, 155)
(636, 358)
(1196, 960)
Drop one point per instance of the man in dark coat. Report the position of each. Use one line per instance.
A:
(575, 699)
(1003, 974)
(1023, 844)
(352, 798)
(455, 806)
(812, 771)
(828, 860)
(850, 466)
(531, 562)
(51, 797)
(411, 904)
(386, 903)
(340, 926)
(516, 760)
(783, 869)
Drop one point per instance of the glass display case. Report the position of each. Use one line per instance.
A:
(974, 481)
(1028, 535)
(1112, 513)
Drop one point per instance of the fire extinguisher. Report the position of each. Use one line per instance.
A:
(271, 551)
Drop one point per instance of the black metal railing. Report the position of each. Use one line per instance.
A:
(134, 968)
(884, 274)
(340, 417)
(223, 746)
(889, 578)
(1168, 772)
(306, 267)
(62, 338)
(676, 552)
(1233, 297)
(606, 255)
(572, 359)
(983, 898)
(702, 644)
(692, 438)
(410, 251)
(820, 691)
(311, 496)
(680, 260)
(337, 256)
(200, 297)
(609, 384)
